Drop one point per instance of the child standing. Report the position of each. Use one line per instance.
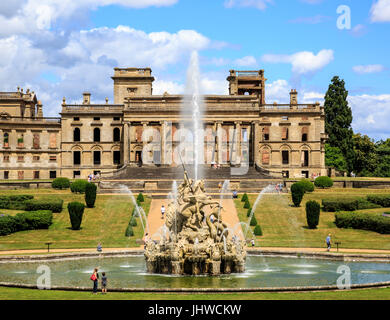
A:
(104, 283)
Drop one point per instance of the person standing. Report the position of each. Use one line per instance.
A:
(99, 247)
(95, 279)
(104, 283)
(162, 211)
(328, 242)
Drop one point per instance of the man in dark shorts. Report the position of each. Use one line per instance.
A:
(328, 242)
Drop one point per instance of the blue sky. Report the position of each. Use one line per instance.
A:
(61, 48)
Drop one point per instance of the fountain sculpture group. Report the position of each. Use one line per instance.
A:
(195, 242)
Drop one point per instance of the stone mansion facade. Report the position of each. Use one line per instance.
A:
(102, 138)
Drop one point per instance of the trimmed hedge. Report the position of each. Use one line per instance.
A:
(307, 185)
(60, 183)
(90, 195)
(313, 209)
(247, 204)
(52, 205)
(323, 182)
(244, 198)
(297, 193)
(253, 222)
(15, 202)
(258, 231)
(76, 210)
(347, 205)
(129, 231)
(78, 186)
(382, 200)
(33, 220)
(363, 221)
(140, 197)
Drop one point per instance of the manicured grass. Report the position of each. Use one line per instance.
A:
(285, 226)
(32, 294)
(106, 223)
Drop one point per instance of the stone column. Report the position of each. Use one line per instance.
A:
(126, 146)
(219, 142)
(163, 142)
(256, 143)
(238, 142)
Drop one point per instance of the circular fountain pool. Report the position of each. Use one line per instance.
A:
(261, 272)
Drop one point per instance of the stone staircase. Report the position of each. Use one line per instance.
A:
(158, 181)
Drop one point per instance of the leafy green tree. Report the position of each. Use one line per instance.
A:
(334, 158)
(366, 159)
(338, 120)
(383, 153)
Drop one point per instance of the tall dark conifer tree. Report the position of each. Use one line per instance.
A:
(338, 120)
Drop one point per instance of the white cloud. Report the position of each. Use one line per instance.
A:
(380, 11)
(33, 16)
(304, 62)
(247, 61)
(371, 68)
(258, 4)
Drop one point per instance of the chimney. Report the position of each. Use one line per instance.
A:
(39, 109)
(86, 98)
(293, 97)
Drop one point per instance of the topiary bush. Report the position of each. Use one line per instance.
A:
(60, 183)
(297, 193)
(129, 231)
(248, 213)
(140, 197)
(381, 200)
(52, 205)
(257, 231)
(76, 210)
(244, 198)
(323, 182)
(313, 209)
(247, 204)
(90, 194)
(133, 222)
(253, 221)
(78, 186)
(307, 185)
(364, 221)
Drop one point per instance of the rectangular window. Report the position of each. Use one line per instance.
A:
(20, 158)
(76, 174)
(96, 118)
(284, 118)
(36, 141)
(117, 157)
(76, 157)
(6, 175)
(244, 135)
(266, 134)
(53, 140)
(36, 174)
(265, 157)
(286, 174)
(53, 174)
(284, 133)
(96, 157)
(36, 158)
(53, 158)
(285, 157)
(6, 158)
(117, 119)
(76, 118)
(20, 175)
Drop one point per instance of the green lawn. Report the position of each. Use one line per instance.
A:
(106, 223)
(32, 294)
(285, 226)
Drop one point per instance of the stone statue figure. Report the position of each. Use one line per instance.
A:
(197, 244)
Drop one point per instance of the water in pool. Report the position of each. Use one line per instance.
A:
(130, 272)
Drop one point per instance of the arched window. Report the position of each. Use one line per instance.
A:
(117, 134)
(96, 135)
(265, 157)
(76, 134)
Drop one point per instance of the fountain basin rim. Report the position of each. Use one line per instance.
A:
(250, 252)
(207, 290)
